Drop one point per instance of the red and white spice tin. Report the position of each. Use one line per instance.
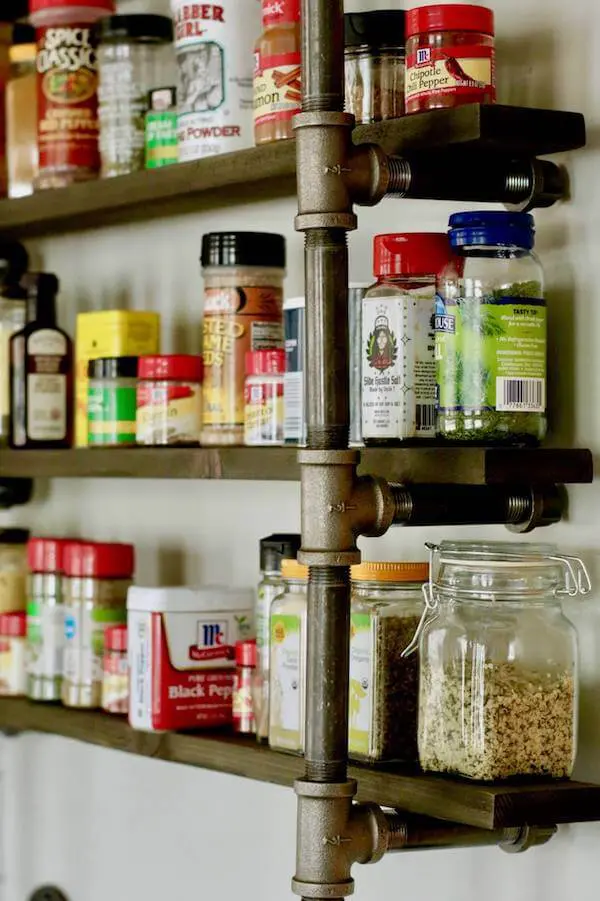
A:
(182, 654)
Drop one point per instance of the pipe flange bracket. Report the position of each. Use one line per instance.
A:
(323, 890)
(527, 837)
(307, 789)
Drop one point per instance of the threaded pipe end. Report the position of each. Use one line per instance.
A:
(400, 176)
(403, 503)
(398, 832)
(518, 508)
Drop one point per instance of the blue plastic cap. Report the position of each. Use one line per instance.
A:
(492, 229)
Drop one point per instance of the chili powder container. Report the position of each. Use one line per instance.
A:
(449, 56)
(67, 89)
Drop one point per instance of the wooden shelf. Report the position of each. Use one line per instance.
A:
(488, 807)
(434, 465)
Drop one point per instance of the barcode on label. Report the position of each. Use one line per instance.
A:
(524, 395)
(293, 397)
(425, 415)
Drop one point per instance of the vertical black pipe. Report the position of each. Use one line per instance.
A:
(322, 55)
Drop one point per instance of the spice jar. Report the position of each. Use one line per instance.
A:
(490, 333)
(115, 671)
(277, 71)
(374, 64)
(264, 413)
(243, 281)
(398, 357)
(135, 54)
(449, 56)
(13, 314)
(243, 709)
(273, 550)
(287, 693)
(45, 618)
(169, 399)
(13, 569)
(161, 128)
(97, 576)
(21, 113)
(13, 653)
(386, 606)
(67, 89)
(294, 384)
(356, 292)
(112, 386)
(498, 662)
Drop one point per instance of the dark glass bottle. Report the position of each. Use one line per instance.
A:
(41, 372)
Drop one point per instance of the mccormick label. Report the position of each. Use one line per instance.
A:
(182, 667)
(463, 71)
(67, 99)
(215, 75)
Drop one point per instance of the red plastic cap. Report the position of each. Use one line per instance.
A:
(245, 652)
(415, 253)
(13, 625)
(276, 12)
(36, 6)
(115, 638)
(99, 560)
(449, 17)
(265, 362)
(45, 555)
(171, 368)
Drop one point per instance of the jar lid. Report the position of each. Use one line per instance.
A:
(449, 17)
(161, 99)
(380, 28)
(113, 368)
(390, 572)
(492, 229)
(14, 536)
(278, 12)
(265, 362)
(171, 367)
(243, 249)
(278, 547)
(13, 625)
(144, 27)
(36, 6)
(99, 560)
(46, 555)
(245, 652)
(291, 569)
(115, 638)
(414, 253)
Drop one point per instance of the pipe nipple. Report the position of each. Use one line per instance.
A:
(400, 176)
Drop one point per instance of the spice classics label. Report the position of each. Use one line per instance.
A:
(361, 684)
(286, 707)
(463, 71)
(491, 354)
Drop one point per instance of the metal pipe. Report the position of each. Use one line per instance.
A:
(415, 833)
(322, 55)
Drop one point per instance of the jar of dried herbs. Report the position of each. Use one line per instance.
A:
(498, 662)
(387, 602)
(490, 333)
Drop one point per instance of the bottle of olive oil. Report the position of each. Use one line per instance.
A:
(41, 372)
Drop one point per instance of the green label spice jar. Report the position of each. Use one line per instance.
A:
(112, 401)
(161, 128)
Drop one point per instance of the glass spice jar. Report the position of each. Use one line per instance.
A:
(112, 386)
(498, 691)
(277, 72)
(169, 399)
(161, 128)
(243, 709)
(13, 653)
(490, 333)
(21, 113)
(264, 413)
(374, 65)
(386, 607)
(13, 569)
(115, 671)
(450, 56)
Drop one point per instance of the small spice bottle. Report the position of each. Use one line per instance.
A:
(21, 113)
(243, 707)
(112, 385)
(115, 671)
(277, 71)
(264, 412)
(243, 287)
(449, 56)
(13, 569)
(161, 128)
(294, 382)
(398, 387)
(169, 399)
(287, 694)
(13, 653)
(386, 606)
(374, 64)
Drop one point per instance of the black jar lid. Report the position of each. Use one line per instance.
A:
(145, 28)
(14, 536)
(276, 548)
(243, 249)
(113, 368)
(381, 28)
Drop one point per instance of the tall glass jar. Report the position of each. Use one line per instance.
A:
(13, 569)
(498, 669)
(14, 260)
(21, 113)
(135, 55)
(374, 64)
(490, 333)
(387, 603)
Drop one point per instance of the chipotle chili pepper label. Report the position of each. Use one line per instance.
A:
(67, 98)
(465, 72)
(277, 88)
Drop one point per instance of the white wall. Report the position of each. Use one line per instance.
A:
(104, 825)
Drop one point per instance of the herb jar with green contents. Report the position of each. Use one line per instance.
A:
(112, 387)
(387, 603)
(490, 333)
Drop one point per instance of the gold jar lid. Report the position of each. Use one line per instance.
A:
(390, 572)
(291, 569)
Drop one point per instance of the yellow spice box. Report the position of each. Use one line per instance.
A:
(109, 333)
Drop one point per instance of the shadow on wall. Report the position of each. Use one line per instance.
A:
(525, 68)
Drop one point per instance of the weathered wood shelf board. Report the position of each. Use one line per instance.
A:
(450, 799)
(434, 465)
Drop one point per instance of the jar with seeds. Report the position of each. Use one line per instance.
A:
(498, 662)
(387, 602)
